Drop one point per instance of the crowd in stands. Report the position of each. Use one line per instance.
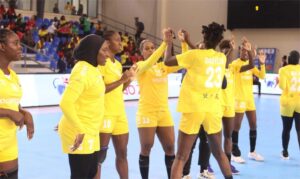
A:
(55, 39)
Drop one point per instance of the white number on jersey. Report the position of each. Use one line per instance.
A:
(295, 82)
(106, 123)
(214, 77)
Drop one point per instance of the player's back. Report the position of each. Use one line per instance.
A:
(202, 84)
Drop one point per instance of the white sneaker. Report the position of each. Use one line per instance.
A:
(255, 156)
(206, 175)
(238, 159)
(187, 177)
(285, 155)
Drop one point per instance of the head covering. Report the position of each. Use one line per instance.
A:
(88, 48)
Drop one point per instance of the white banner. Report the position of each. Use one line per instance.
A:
(46, 89)
(269, 85)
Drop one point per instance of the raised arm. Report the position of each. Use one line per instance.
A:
(170, 60)
(246, 46)
(142, 66)
(262, 72)
(229, 53)
(184, 37)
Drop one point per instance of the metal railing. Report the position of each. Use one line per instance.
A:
(25, 58)
(120, 26)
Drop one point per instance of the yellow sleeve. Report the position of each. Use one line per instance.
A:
(67, 104)
(184, 47)
(142, 66)
(282, 80)
(173, 69)
(260, 73)
(186, 59)
(235, 67)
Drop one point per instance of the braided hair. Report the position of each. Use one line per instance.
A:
(4, 33)
(294, 57)
(213, 34)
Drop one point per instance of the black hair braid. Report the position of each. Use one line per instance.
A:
(213, 34)
(4, 33)
(294, 57)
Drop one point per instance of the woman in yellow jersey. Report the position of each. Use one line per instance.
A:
(199, 99)
(204, 151)
(115, 122)
(243, 70)
(153, 115)
(80, 124)
(227, 47)
(12, 115)
(289, 82)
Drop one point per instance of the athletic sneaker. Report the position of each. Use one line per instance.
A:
(234, 171)
(255, 156)
(285, 155)
(206, 175)
(238, 159)
(187, 177)
(210, 170)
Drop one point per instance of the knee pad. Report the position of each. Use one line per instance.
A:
(102, 155)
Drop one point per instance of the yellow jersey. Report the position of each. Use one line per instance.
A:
(114, 101)
(289, 82)
(244, 80)
(10, 96)
(228, 96)
(82, 105)
(201, 87)
(152, 79)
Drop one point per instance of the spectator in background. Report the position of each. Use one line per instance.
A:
(11, 13)
(55, 8)
(131, 45)
(31, 23)
(12, 3)
(28, 40)
(135, 57)
(43, 33)
(284, 61)
(2, 10)
(73, 11)
(85, 24)
(257, 82)
(80, 10)
(63, 20)
(139, 30)
(68, 8)
(61, 65)
(52, 30)
(99, 30)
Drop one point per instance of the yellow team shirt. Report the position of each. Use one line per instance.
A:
(152, 78)
(201, 87)
(10, 96)
(114, 101)
(244, 80)
(228, 98)
(82, 105)
(289, 82)
(43, 32)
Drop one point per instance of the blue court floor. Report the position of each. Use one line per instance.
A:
(42, 158)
